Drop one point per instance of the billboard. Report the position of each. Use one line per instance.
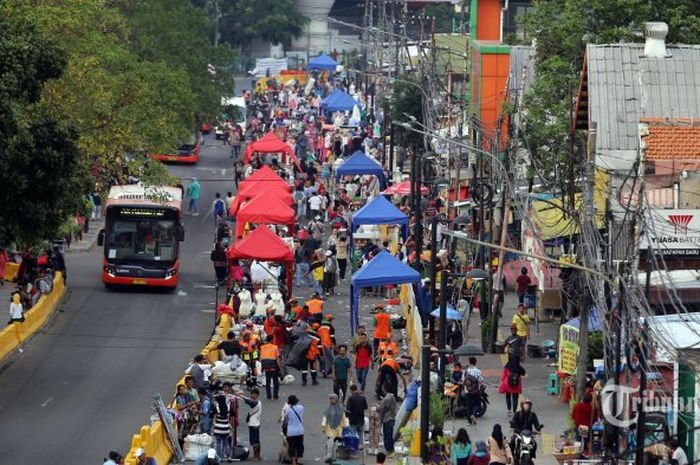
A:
(674, 233)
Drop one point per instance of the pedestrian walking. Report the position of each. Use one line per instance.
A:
(271, 361)
(375, 430)
(341, 253)
(387, 410)
(193, 192)
(4, 260)
(355, 410)
(220, 261)
(522, 282)
(253, 421)
(521, 320)
(363, 360)
(222, 427)
(205, 411)
(341, 372)
(330, 268)
(218, 208)
(513, 343)
(512, 383)
(382, 327)
(293, 424)
(326, 333)
(332, 424)
(498, 447)
(461, 448)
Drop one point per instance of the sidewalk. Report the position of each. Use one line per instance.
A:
(89, 238)
(550, 410)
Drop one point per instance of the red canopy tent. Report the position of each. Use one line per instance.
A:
(264, 245)
(262, 188)
(404, 188)
(270, 143)
(266, 174)
(265, 208)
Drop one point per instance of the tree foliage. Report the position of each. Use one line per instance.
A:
(275, 21)
(42, 180)
(407, 99)
(561, 29)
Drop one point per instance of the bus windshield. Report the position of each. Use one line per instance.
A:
(142, 240)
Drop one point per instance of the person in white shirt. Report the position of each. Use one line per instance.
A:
(16, 309)
(678, 455)
(315, 203)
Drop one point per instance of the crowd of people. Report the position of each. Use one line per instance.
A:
(35, 277)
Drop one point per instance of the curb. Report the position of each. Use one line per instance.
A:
(88, 242)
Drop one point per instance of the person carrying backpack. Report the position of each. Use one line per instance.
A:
(218, 207)
(512, 383)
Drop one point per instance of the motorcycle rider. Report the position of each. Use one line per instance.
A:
(525, 419)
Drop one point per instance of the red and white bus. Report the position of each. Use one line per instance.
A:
(142, 235)
(187, 153)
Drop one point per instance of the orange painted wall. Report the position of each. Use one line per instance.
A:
(494, 75)
(488, 20)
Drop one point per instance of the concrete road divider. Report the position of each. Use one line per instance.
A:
(15, 334)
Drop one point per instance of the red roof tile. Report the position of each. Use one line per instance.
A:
(672, 139)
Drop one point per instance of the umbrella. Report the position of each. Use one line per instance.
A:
(404, 188)
(477, 274)
(468, 350)
(452, 314)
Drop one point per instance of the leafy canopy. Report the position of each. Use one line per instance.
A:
(42, 180)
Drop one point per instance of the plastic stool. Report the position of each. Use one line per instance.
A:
(553, 384)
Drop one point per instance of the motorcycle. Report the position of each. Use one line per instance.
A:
(457, 392)
(524, 447)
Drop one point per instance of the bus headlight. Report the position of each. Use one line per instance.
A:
(109, 269)
(170, 273)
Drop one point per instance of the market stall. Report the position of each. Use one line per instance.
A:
(322, 63)
(265, 208)
(404, 188)
(381, 270)
(264, 245)
(339, 101)
(259, 188)
(270, 143)
(359, 164)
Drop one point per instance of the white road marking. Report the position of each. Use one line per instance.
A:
(46, 402)
(204, 286)
(181, 293)
(208, 310)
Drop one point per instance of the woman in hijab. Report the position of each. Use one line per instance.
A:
(332, 425)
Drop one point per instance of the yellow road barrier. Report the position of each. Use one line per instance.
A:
(15, 334)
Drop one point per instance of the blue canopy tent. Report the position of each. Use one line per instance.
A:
(322, 63)
(359, 164)
(338, 101)
(380, 211)
(595, 321)
(381, 270)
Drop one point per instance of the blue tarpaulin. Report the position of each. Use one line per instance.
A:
(359, 164)
(381, 270)
(595, 321)
(338, 101)
(380, 211)
(322, 62)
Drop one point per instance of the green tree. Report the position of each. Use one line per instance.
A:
(407, 99)
(42, 181)
(275, 21)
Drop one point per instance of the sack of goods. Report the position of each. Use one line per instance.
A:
(197, 445)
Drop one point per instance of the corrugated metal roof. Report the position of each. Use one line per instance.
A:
(624, 86)
(522, 57)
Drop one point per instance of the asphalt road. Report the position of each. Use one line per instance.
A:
(85, 384)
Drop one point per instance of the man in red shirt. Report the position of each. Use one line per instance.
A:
(363, 359)
(522, 282)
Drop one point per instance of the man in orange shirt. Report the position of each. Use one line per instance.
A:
(326, 333)
(310, 362)
(315, 305)
(382, 327)
(271, 361)
(269, 324)
(387, 350)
